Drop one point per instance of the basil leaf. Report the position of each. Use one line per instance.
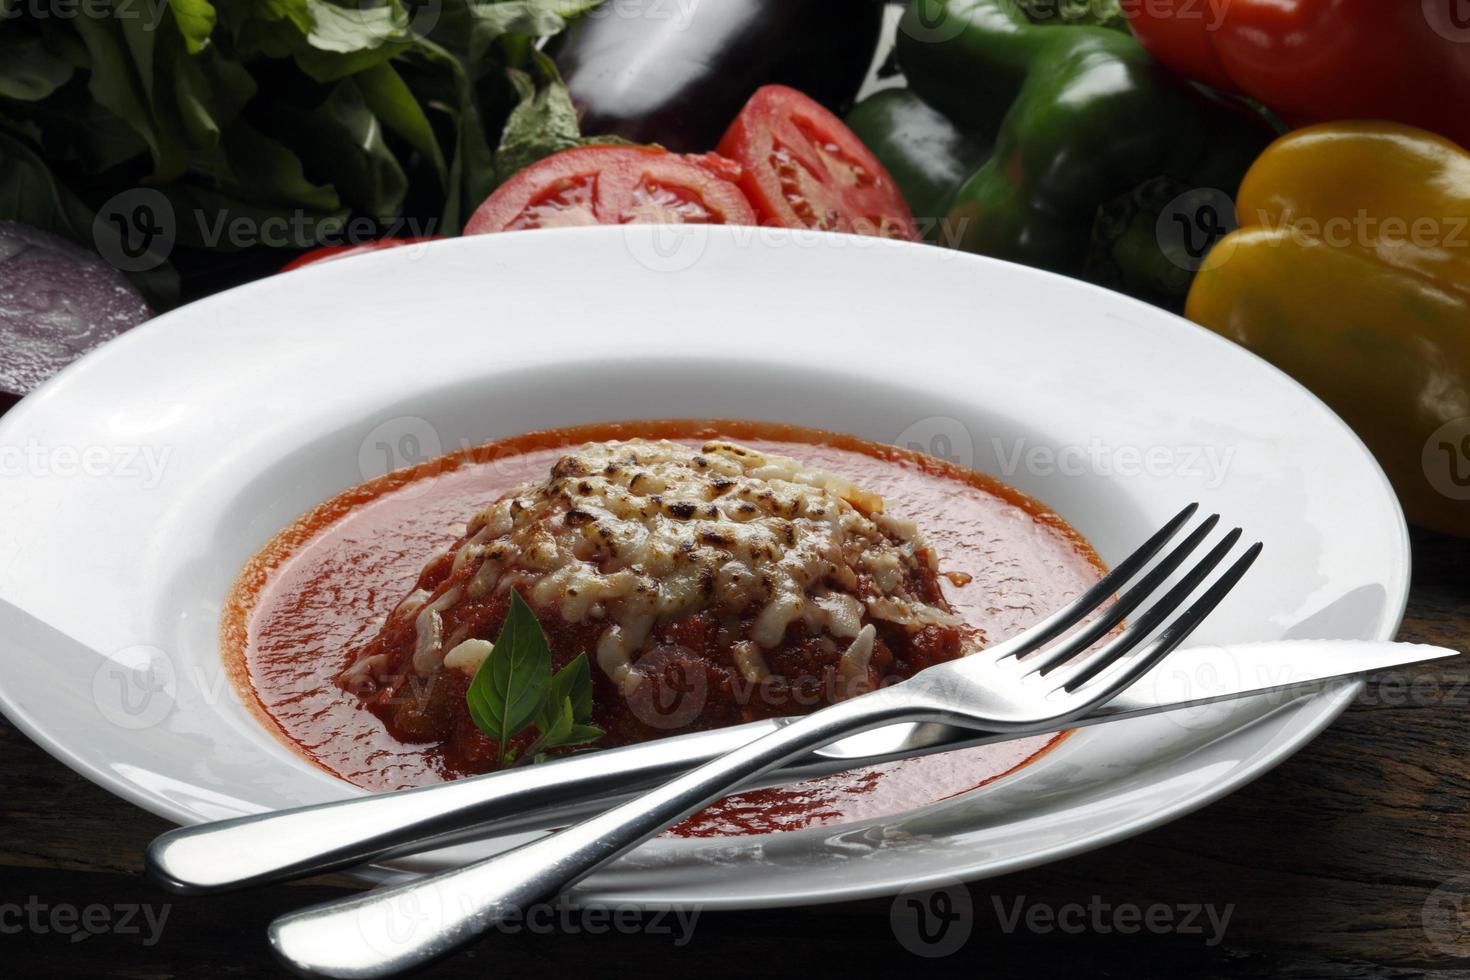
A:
(570, 688)
(510, 687)
(581, 735)
(557, 718)
(544, 123)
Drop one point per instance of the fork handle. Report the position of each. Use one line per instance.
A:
(389, 930)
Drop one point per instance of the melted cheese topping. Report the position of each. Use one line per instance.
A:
(638, 533)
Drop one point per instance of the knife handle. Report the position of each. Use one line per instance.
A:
(275, 846)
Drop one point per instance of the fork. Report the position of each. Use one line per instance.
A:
(397, 928)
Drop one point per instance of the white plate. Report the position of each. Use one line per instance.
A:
(246, 409)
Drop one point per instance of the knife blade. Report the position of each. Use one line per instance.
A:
(275, 846)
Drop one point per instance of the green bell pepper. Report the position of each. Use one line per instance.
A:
(1106, 166)
(928, 156)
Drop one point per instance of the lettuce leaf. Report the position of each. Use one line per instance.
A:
(252, 110)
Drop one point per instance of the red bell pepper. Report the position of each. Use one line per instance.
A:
(1322, 60)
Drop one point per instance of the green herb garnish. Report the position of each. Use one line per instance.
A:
(515, 690)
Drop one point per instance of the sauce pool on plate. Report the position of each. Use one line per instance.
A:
(324, 585)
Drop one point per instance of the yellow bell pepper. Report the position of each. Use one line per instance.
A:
(1351, 272)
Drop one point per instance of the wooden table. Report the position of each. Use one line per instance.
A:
(1324, 866)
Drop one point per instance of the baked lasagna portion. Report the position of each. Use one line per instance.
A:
(708, 586)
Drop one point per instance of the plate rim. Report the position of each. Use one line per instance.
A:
(1329, 704)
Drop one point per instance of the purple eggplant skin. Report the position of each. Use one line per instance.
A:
(57, 302)
(677, 72)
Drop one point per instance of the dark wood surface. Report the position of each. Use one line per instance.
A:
(1349, 860)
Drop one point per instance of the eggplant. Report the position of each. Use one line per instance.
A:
(677, 72)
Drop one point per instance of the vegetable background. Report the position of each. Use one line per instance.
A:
(166, 132)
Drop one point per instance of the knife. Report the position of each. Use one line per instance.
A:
(284, 844)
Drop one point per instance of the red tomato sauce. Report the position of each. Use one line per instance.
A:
(323, 585)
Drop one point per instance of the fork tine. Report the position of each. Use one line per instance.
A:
(1178, 631)
(1129, 601)
(1073, 612)
(1149, 620)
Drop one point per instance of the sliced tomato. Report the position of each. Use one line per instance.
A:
(616, 185)
(805, 169)
(332, 252)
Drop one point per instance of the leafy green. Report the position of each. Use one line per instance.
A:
(250, 112)
(196, 22)
(514, 690)
(32, 72)
(545, 121)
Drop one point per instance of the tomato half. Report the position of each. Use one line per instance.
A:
(332, 252)
(805, 169)
(616, 185)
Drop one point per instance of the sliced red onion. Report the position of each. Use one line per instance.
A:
(57, 302)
